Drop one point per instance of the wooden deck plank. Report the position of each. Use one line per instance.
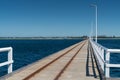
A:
(53, 69)
(75, 71)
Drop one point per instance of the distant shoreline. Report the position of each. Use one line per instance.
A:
(51, 38)
(38, 38)
(109, 38)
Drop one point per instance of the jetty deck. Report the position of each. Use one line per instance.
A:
(73, 63)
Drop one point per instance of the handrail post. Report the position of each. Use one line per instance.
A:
(10, 55)
(107, 70)
(102, 54)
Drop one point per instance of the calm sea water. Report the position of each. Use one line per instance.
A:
(29, 51)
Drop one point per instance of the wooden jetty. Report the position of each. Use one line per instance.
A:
(73, 63)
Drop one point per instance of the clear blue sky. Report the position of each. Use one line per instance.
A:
(22, 18)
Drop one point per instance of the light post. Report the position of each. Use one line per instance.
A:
(91, 33)
(93, 5)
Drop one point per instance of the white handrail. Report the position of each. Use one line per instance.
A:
(103, 55)
(10, 59)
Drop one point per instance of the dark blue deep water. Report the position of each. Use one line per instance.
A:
(29, 51)
(114, 57)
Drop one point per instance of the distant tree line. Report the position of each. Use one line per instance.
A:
(57, 37)
(104, 36)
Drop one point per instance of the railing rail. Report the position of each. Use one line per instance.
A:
(10, 59)
(103, 55)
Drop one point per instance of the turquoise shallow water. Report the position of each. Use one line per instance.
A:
(29, 51)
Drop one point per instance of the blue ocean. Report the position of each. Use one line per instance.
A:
(29, 51)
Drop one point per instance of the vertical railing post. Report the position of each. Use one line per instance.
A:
(10, 55)
(102, 54)
(107, 69)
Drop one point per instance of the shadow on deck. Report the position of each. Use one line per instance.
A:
(91, 65)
